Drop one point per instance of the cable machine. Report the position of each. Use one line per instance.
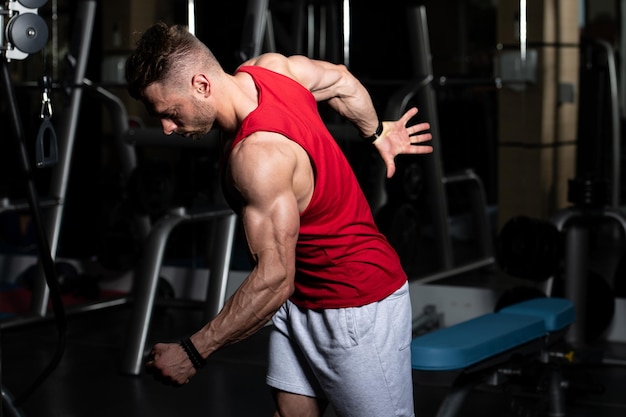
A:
(27, 33)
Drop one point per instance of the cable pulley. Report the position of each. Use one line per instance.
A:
(24, 32)
(28, 32)
(32, 4)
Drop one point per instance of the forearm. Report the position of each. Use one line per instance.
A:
(336, 85)
(358, 108)
(271, 223)
(249, 309)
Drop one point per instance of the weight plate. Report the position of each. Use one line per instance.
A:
(402, 227)
(529, 248)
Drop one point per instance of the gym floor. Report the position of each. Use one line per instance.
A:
(88, 382)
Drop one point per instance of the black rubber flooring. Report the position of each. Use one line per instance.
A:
(88, 381)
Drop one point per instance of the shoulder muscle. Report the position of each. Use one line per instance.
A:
(324, 79)
(266, 165)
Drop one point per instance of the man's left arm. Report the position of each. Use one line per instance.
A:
(349, 97)
(336, 85)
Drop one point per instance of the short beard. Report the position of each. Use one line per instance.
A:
(203, 120)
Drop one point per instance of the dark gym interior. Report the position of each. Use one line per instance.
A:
(114, 237)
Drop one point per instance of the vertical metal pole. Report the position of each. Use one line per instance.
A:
(45, 256)
(144, 293)
(576, 252)
(222, 247)
(310, 26)
(255, 24)
(2, 19)
(615, 128)
(346, 32)
(81, 39)
(622, 53)
(191, 16)
(299, 26)
(55, 39)
(2, 399)
(422, 61)
(522, 33)
(556, 394)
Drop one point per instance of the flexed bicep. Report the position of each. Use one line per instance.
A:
(263, 174)
(261, 178)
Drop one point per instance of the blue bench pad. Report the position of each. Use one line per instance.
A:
(469, 342)
(556, 312)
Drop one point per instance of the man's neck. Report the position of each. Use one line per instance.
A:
(241, 100)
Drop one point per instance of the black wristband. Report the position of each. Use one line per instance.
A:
(376, 135)
(194, 356)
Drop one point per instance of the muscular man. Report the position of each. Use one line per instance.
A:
(323, 273)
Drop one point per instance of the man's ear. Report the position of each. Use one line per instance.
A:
(201, 84)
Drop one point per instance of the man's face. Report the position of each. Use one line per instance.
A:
(180, 112)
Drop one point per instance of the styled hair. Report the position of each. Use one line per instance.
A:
(162, 54)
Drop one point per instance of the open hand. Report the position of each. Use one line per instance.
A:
(398, 138)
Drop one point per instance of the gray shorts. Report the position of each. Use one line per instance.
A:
(359, 359)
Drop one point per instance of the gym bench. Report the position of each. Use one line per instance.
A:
(486, 349)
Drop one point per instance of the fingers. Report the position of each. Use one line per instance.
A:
(420, 149)
(418, 128)
(417, 132)
(167, 381)
(164, 366)
(150, 358)
(403, 139)
(407, 115)
(153, 355)
(419, 138)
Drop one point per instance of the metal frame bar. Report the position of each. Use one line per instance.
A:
(79, 50)
(147, 276)
(422, 90)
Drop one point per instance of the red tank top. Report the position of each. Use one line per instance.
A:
(342, 260)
